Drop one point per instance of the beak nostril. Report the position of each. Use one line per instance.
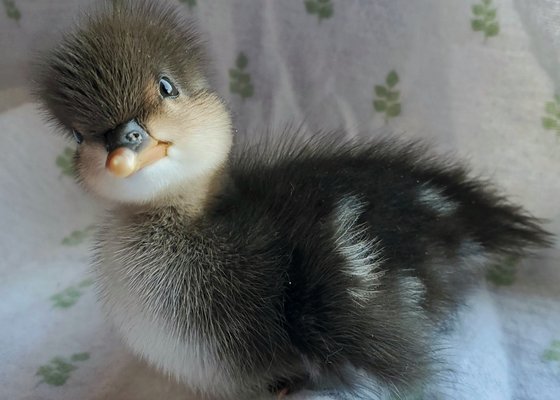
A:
(133, 137)
(128, 134)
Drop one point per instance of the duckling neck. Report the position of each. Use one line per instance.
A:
(193, 197)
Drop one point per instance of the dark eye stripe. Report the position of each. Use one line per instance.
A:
(166, 88)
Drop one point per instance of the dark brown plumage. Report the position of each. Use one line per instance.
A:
(291, 264)
(115, 57)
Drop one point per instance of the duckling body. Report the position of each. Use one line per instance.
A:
(288, 265)
(309, 265)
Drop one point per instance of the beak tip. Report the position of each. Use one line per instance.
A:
(122, 162)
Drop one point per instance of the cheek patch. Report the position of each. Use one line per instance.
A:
(172, 121)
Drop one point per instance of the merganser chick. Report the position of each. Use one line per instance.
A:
(267, 269)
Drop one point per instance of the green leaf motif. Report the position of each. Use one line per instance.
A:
(392, 79)
(394, 110)
(492, 29)
(85, 283)
(485, 19)
(549, 123)
(79, 357)
(65, 161)
(478, 9)
(189, 3)
(242, 61)
(325, 12)
(387, 100)
(322, 8)
(311, 7)
(393, 96)
(59, 369)
(477, 25)
(69, 296)
(65, 299)
(381, 91)
(240, 81)
(551, 120)
(379, 105)
(553, 352)
(12, 11)
(78, 237)
(504, 273)
(490, 14)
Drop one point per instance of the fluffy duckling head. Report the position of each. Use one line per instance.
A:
(129, 86)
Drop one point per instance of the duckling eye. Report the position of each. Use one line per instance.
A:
(167, 88)
(77, 136)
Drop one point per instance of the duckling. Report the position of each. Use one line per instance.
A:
(295, 263)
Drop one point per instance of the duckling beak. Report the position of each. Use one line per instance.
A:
(131, 148)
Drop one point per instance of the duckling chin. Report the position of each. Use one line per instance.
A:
(271, 269)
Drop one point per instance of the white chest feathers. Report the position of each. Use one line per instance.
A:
(154, 335)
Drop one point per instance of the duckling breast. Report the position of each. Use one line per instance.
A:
(143, 272)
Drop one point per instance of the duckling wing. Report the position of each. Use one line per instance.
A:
(410, 200)
(380, 243)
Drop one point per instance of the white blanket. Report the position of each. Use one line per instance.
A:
(471, 80)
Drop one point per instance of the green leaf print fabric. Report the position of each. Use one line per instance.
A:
(479, 79)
